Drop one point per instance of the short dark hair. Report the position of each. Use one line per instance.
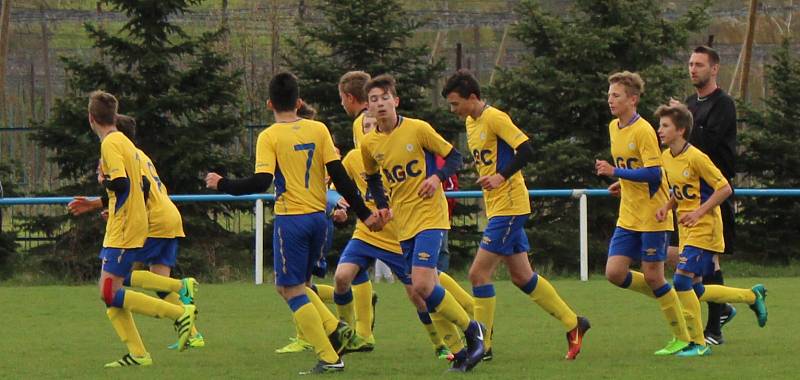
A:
(127, 125)
(712, 54)
(353, 83)
(103, 107)
(385, 82)
(284, 91)
(463, 83)
(680, 116)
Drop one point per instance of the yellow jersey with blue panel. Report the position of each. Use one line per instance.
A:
(406, 157)
(632, 147)
(358, 129)
(693, 178)
(492, 139)
(387, 237)
(163, 216)
(295, 154)
(127, 215)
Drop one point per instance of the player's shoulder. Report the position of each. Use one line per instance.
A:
(117, 139)
(353, 154)
(696, 155)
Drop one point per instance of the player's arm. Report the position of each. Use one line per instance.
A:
(373, 178)
(347, 188)
(114, 177)
(662, 212)
(433, 142)
(257, 183)
(722, 190)
(504, 128)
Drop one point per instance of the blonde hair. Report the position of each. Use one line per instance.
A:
(353, 83)
(634, 84)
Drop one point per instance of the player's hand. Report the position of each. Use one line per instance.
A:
(374, 222)
(212, 180)
(343, 203)
(82, 205)
(100, 175)
(491, 182)
(339, 215)
(615, 189)
(674, 102)
(690, 219)
(386, 215)
(661, 214)
(429, 186)
(104, 215)
(603, 168)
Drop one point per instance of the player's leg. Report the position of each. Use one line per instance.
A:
(716, 311)
(689, 271)
(349, 265)
(480, 276)
(462, 296)
(624, 248)
(121, 319)
(754, 297)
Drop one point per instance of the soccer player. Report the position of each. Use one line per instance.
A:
(698, 188)
(639, 236)
(354, 100)
(160, 249)
(126, 231)
(296, 152)
(404, 151)
(501, 150)
(714, 133)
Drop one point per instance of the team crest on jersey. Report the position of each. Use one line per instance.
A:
(423, 256)
(632, 146)
(483, 135)
(409, 147)
(295, 127)
(379, 157)
(686, 173)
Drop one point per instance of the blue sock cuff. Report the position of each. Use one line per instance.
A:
(343, 299)
(531, 285)
(361, 277)
(435, 299)
(483, 291)
(628, 280)
(162, 295)
(682, 282)
(127, 280)
(699, 289)
(297, 302)
(662, 290)
(424, 317)
(119, 299)
(314, 288)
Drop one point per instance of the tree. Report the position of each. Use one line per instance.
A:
(179, 89)
(557, 95)
(770, 159)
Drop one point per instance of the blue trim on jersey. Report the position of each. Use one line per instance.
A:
(654, 186)
(430, 163)
(297, 302)
(505, 154)
(662, 290)
(123, 196)
(705, 191)
(280, 181)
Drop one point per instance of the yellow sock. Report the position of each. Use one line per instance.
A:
(346, 308)
(123, 323)
(151, 281)
(726, 294)
(362, 299)
(433, 334)
(325, 293)
(639, 285)
(155, 307)
(545, 295)
(309, 322)
(485, 301)
(462, 296)
(693, 316)
(450, 309)
(673, 312)
(175, 299)
(298, 332)
(329, 321)
(448, 332)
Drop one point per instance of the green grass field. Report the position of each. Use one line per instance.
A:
(62, 332)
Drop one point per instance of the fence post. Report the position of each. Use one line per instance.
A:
(584, 236)
(259, 226)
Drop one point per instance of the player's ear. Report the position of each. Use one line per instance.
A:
(269, 105)
(396, 101)
(298, 104)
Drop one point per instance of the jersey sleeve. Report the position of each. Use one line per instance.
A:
(708, 172)
(502, 126)
(432, 141)
(648, 147)
(327, 150)
(113, 157)
(265, 154)
(347, 162)
(370, 165)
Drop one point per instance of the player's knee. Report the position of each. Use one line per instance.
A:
(422, 290)
(107, 291)
(341, 283)
(682, 282)
(615, 276)
(477, 277)
(654, 280)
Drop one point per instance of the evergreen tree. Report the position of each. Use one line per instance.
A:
(558, 96)
(771, 160)
(179, 89)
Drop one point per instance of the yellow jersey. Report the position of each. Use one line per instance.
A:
(164, 219)
(127, 216)
(358, 129)
(406, 157)
(492, 139)
(387, 237)
(295, 154)
(692, 179)
(632, 147)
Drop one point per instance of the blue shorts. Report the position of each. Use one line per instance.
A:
(163, 251)
(696, 260)
(118, 261)
(644, 246)
(298, 241)
(364, 254)
(423, 249)
(505, 235)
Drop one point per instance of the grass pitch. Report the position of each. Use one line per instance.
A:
(62, 332)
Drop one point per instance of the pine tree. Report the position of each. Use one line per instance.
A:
(771, 160)
(558, 96)
(178, 87)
